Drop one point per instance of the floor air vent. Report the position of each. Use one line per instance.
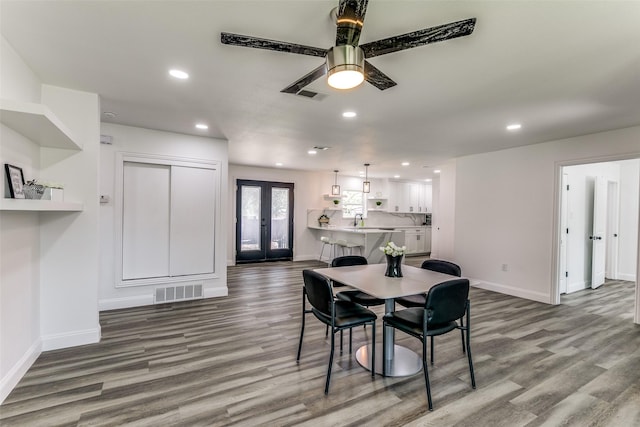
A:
(178, 293)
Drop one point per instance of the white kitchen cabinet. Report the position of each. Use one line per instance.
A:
(411, 240)
(426, 240)
(417, 240)
(409, 197)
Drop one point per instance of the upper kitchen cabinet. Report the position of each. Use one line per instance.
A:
(38, 123)
(409, 197)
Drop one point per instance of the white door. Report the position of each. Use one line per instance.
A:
(564, 231)
(598, 237)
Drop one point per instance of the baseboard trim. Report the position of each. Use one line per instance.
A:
(125, 302)
(71, 339)
(216, 292)
(627, 277)
(15, 374)
(509, 290)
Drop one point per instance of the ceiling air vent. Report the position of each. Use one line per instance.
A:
(311, 95)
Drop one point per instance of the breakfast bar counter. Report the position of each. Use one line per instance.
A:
(369, 239)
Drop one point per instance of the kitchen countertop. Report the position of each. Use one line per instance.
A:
(357, 230)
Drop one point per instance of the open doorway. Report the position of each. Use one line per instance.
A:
(598, 218)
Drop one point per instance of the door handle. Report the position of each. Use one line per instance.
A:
(595, 238)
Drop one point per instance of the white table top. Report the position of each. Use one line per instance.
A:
(371, 279)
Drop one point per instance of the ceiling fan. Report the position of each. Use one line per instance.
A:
(346, 62)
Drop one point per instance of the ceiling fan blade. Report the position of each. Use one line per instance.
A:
(306, 80)
(418, 38)
(377, 77)
(350, 18)
(258, 43)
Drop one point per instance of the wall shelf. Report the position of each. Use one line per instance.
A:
(39, 205)
(38, 123)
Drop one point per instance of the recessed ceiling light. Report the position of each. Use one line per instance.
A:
(349, 114)
(202, 126)
(312, 152)
(436, 171)
(405, 163)
(428, 180)
(178, 74)
(396, 176)
(514, 126)
(278, 164)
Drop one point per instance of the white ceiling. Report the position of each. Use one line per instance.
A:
(561, 68)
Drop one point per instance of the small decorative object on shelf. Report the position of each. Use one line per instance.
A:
(336, 202)
(379, 203)
(15, 179)
(394, 256)
(323, 220)
(33, 190)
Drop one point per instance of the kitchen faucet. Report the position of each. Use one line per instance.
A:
(355, 219)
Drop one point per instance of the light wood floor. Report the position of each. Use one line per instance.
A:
(231, 361)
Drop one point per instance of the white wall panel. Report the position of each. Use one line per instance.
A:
(145, 224)
(193, 196)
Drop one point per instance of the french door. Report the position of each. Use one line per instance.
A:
(264, 221)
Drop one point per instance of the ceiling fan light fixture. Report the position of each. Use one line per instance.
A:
(345, 66)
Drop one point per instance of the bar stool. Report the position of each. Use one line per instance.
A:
(345, 245)
(332, 248)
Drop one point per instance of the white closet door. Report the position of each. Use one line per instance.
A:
(145, 221)
(192, 220)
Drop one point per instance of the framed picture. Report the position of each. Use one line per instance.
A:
(15, 179)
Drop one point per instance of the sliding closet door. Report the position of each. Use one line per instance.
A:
(166, 228)
(145, 220)
(192, 220)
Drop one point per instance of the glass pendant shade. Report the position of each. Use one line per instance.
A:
(366, 185)
(335, 188)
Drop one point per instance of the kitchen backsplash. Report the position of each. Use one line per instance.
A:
(374, 218)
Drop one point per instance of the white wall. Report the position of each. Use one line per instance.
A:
(444, 214)
(629, 205)
(48, 262)
(20, 342)
(137, 140)
(507, 208)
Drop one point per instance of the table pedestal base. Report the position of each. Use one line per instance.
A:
(405, 362)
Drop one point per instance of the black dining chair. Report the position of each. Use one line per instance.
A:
(418, 300)
(437, 265)
(337, 314)
(444, 305)
(354, 295)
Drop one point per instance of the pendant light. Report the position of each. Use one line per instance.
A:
(366, 185)
(335, 188)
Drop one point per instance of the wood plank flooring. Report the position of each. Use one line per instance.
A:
(231, 361)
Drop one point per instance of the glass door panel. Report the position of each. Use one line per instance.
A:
(279, 218)
(251, 208)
